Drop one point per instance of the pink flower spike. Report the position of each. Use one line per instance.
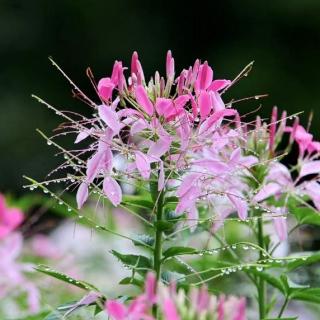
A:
(143, 164)
(105, 88)
(170, 66)
(110, 117)
(273, 127)
(150, 288)
(169, 310)
(217, 85)
(134, 63)
(116, 310)
(112, 190)
(82, 194)
(205, 105)
(143, 100)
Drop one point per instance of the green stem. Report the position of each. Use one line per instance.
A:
(158, 198)
(286, 301)
(261, 285)
(158, 237)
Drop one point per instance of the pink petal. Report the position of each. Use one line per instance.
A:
(240, 205)
(93, 166)
(164, 107)
(110, 117)
(215, 166)
(188, 199)
(180, 102)
(82, 194)
(192, 216)
(160, 147)
(216, 101)
(208, 125)
(217, 85)
(112, 190)
(116, 310)
(134, 63)
(187, 182)
(312, 189)
(267, 191)
(280, 225)
(143, 100)
(169, 310)
(143, 164)
(204, 78)
(273, 127)
(169, 65)
(312, 167)
(83, 135)
(204, 102)
(105, 88)
(138, 126)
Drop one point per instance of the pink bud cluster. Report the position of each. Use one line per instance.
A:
(176, 304)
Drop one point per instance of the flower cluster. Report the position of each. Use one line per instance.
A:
(176, 304)
(176, 130)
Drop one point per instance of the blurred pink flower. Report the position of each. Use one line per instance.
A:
(10, 218)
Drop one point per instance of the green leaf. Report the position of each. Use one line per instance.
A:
(38, 316)
(65, 278)
(143, 238)
(137, 201)
(303, 262)
(306, 215)
(132, 281)
(178, 251)
(310, 294)
(164, 225)
(273, 281)
(133, 261)
(291, 318)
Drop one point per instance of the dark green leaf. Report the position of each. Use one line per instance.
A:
(164, 225)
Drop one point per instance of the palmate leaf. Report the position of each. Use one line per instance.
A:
(65, 278)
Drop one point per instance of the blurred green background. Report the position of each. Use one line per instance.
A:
(283, 37)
